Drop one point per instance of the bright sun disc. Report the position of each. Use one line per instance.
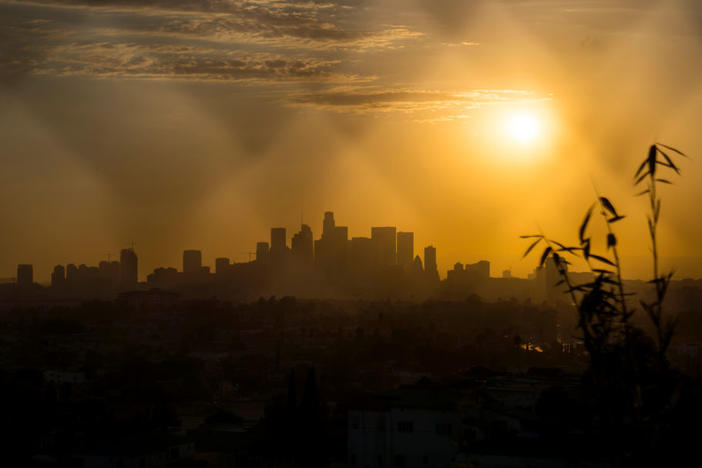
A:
(523, 128)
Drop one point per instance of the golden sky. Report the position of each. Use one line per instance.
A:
(182, 124)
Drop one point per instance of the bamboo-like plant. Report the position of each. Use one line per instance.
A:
(618, 350)
(648, 171)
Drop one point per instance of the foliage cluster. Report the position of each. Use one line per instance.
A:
(630, 378)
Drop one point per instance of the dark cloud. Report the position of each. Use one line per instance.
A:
(377, 98)
(159, 62)
(20, 50)
(452, 105)
(183, 39)
(315, 21)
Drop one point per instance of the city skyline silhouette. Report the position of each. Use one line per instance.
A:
(420, 116)
(350, 233)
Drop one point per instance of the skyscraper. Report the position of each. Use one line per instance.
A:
(71, 273)
(362, 256)
(25, 275)
(278, 244)
(192, 262)
(222, 265)
(110, 271)
(331, 251)
(262, 252)
(128, 268)
(328, 224)
(303, 245)
(384, 243)
(323, 249)
(340, 249)
(430, 262)
(417, 267)
(405, 249)
(58, 277)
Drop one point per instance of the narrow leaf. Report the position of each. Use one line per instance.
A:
(583, 226)
(545, 255)
(602, 259)
(641, 178)
(672, 149)
(563, 248)
(608, 205)
(586, 249)
(669, 161)
(531, 247)
(640, 169)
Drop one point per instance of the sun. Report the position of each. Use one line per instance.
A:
(519, 133)
(523, 127)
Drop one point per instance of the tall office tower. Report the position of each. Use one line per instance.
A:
(321, 258)
(25, 275)
(110, 271)
(405, 249)
(303, 245)
(71, 273)
(128, 267)
(384, 241)
(417, 265)
(58, 277)
(430, 262)
(328, 224)
(192, 262)
(340, 249)
(278, 244)
(332, 250)
(323, 246)
(362, 256)
(262, 252)
(278, 239)
(222, 266)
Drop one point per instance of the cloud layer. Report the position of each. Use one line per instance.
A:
(192, 40)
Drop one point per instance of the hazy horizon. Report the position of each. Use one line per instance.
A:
(202, 124)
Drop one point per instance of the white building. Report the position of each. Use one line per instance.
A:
(402, 437)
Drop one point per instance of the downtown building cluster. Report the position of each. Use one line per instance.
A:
(380, 266)
(334, 265)
(104, 280)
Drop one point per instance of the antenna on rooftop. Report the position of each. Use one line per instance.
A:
(250, 253)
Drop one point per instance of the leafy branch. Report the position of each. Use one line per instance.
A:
(603, 305)
(649, 171)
